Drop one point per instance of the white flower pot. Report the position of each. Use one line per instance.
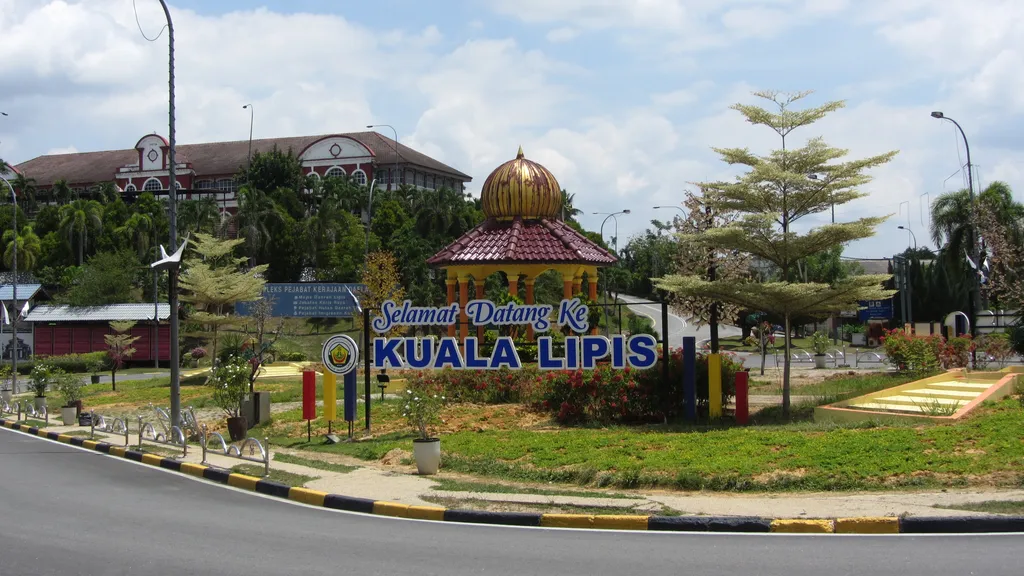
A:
(39, 402)
(819, 360)
(6, 395)
(428, 455)
(859, 339)
(69, 415)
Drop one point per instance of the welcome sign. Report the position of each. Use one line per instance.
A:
(583, 351)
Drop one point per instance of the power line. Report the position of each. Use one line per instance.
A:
(141, 31)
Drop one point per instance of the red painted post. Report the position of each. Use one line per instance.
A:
(742, 397)
(308, 395)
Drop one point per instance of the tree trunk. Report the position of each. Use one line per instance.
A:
(113, 380)
(785, 372)
(764, 349)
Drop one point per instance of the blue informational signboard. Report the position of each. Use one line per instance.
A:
(308, 300)
(875, 310)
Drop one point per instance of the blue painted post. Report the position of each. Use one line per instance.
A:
(690, 377)
(350, 397)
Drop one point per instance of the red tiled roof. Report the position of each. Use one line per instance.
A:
(519, 241)
(214, 158)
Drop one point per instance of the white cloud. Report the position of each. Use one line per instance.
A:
(65, 150)
(563, 34)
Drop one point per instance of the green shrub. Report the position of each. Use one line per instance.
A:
(911, 352)
(293, 356)
(71, 363)
(68, 386)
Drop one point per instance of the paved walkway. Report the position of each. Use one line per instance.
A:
(394, 478)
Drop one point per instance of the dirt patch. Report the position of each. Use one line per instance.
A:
(395, 457)
(780, 475)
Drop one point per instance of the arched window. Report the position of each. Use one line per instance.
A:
(226, 185)
(177, 185)
(312, 174)
(130, 188)
(152, 185)
(337, 172)
(360, 177)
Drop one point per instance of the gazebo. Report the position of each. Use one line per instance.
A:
(523, 235)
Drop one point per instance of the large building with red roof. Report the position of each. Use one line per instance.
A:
(209, 170)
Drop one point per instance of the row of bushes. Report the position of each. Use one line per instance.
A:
(927, 353)
(603, 395)
(92, 362)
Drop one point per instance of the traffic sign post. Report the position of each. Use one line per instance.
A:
(340, 357)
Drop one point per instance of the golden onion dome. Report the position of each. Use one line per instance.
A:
(521, 188)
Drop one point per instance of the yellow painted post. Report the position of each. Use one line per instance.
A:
(715, 385)
(330, 396)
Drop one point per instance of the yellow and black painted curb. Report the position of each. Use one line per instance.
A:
(747, 524)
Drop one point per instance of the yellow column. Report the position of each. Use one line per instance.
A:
(450, 285)
(715, 385)
(463, 300)
(479, 284)
(567, 280)
(529, 300)
(330, 396)
(592, 296)
(577, 284)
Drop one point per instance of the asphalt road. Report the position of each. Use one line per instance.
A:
(65, 511)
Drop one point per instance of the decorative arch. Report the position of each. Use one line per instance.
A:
(359, 177)
(335, 147)
(131, 188)
(336, 172)
(152, 185)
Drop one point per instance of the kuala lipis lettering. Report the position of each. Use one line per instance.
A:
(581, 352)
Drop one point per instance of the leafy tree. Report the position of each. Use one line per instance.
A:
(29, 249)
(77, 219)
(119, 347)
(280, 174)
(1005, 257)
(773, 194)
(255, 211)
(952, 222)
(382, 281)
(340, 259)
(26, 189)
(213, 281)
(198, 216)
(569, 210)
(137, 231)
(108, 278)
(61, 193)
(284, 249)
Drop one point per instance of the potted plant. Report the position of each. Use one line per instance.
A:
(69, 387)
(39, 381)
(820, 343)
(95, 367)
(5, 386)
(230, 382)
(858, 335)
(423, 409)
(197, 354)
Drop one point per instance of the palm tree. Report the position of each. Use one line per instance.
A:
(77, 218)
(105, 192)
(255, 209)
(61, 192)
(569, 211)
(952, 222)
(198, 216)
(29, 249)
(26, 188)
(137, 230)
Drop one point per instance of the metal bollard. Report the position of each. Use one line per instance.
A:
(202, 442)
(140, 430)
(18, 404)
(266, 460)
(92, 425)
(125, 421)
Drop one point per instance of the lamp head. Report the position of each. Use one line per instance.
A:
(902, 227)
(369, 125)
(938, 114)
(626, 211)
(245, 106)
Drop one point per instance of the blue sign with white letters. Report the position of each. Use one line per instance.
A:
(307, 300)
(875, 310)
(581, 352)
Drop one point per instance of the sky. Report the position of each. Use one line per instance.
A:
(622, 100)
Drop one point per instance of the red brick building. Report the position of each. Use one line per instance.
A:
(209, 170)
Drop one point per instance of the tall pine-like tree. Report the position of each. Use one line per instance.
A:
(770, 197)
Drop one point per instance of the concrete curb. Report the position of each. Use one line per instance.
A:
(741, 524)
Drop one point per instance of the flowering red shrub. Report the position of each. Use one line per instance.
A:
(926, 352)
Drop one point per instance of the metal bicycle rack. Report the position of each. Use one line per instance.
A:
(26, 408)
(868, 358)
(112, 426)
(189, 423)
(222, 448)
(176, 438)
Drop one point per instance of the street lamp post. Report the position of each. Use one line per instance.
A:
(907, 280)
(612, 215)
(14, 286)
(248, 164)
(974, 303)
(394, 146)
(172, 195)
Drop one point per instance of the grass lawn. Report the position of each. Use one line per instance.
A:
(838, 387)
(1015, 507)
(512, 443)
(312, 463)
